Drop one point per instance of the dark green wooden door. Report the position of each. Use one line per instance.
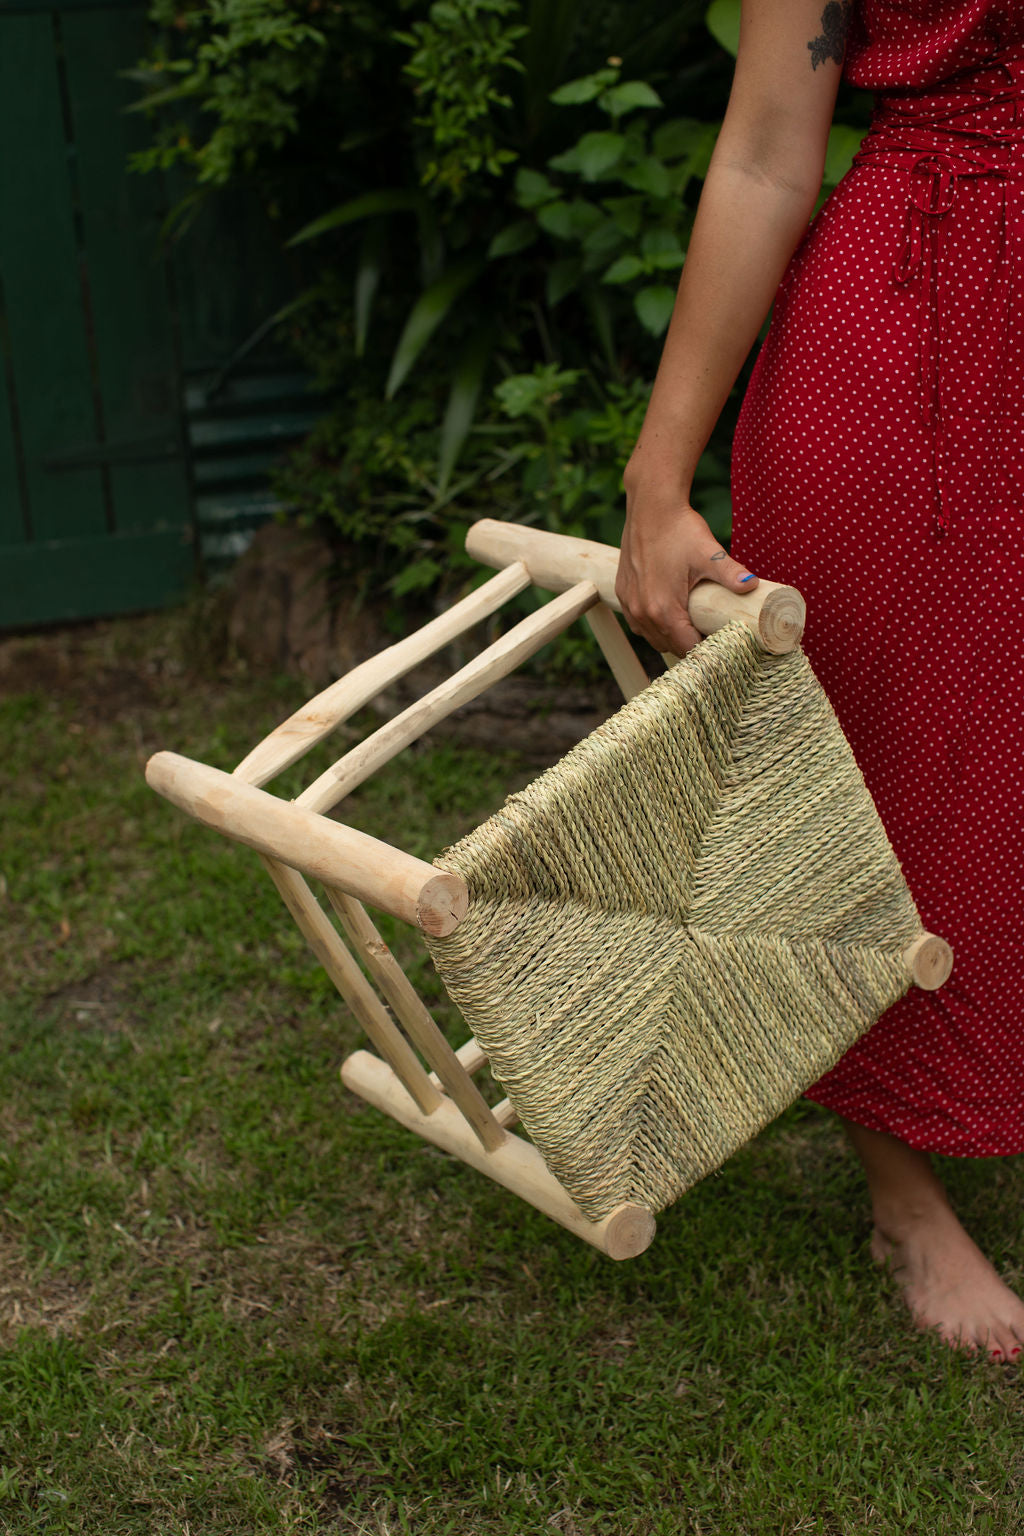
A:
(95, 505)
(137, 421)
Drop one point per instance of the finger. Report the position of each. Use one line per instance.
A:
(721, 567)
(683, 637)
(673, 633)
(663, 632)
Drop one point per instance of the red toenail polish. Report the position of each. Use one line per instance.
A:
(1014, 1352)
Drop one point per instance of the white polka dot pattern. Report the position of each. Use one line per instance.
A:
(873, 391)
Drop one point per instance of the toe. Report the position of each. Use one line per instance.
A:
(1004, 1344)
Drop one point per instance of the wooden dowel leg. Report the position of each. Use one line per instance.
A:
(625, 664)
(557, 561)
(339, 702)
(374, 871)
(325, 943)
(516, 1164)
(930, 961)
(497, 661)
(472, 1055)
(415, 1019)
(506, 1114)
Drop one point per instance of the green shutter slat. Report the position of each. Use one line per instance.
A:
(127, 281)
(39, 262)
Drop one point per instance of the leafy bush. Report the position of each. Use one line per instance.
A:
(500, 193)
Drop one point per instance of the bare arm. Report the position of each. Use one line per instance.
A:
(758, 197)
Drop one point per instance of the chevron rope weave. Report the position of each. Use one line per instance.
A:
(680, 926)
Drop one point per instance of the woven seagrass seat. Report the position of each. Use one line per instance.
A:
(658, 944)
(680, 926)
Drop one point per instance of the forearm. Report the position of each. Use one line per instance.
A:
(748, 225)
(757, 200)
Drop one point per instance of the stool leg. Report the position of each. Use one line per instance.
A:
(516, 1164)
(414, 1017)
(325, 943)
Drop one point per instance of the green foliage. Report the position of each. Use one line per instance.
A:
(248, 65)
(617, 208)
(460, 54)
(568, 459)
(493, 190)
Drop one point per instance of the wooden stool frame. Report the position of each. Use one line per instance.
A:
(416, 1076)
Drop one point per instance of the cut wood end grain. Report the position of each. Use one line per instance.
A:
(629, 1231)
(442, 904)
(930, 961)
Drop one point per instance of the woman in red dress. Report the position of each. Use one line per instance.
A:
(879, 466)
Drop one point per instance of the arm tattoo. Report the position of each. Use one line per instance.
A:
(835, 24)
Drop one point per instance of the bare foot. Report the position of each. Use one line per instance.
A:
(949, 1285)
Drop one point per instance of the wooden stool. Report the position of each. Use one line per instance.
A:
(416, 1076)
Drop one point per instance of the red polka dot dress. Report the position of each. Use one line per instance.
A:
(879, 467)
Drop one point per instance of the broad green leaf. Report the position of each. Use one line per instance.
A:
(569, 161)
(532, 189)
(628, 96)
(569, 221)
(627, 213)
(424, 318)
(624, 270)
(723, 22)
(649, 176)
(462, 400)
(524, 394)
(574, 92)
(662, 249)
(563, 279)
(603, 242)
(514, 237)
(598, 152)
(843, 144)
(700, 159)
(367, 281)
(678, 137)
(654, 307)
(422, 573)
(369, 205)
(556, 218)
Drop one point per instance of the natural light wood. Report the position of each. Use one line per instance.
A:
(556, 561)
(363, 866)
(326, 944)
(516, 1164)
(472, 1056)
(496, 662)
(625, 664)
(342, 699)
(930, 960)
(412, 1014)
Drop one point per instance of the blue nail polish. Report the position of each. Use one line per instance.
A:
(751, 577)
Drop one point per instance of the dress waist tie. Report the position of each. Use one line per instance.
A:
(943, 140)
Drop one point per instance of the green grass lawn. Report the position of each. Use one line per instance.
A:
(233, 1299)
